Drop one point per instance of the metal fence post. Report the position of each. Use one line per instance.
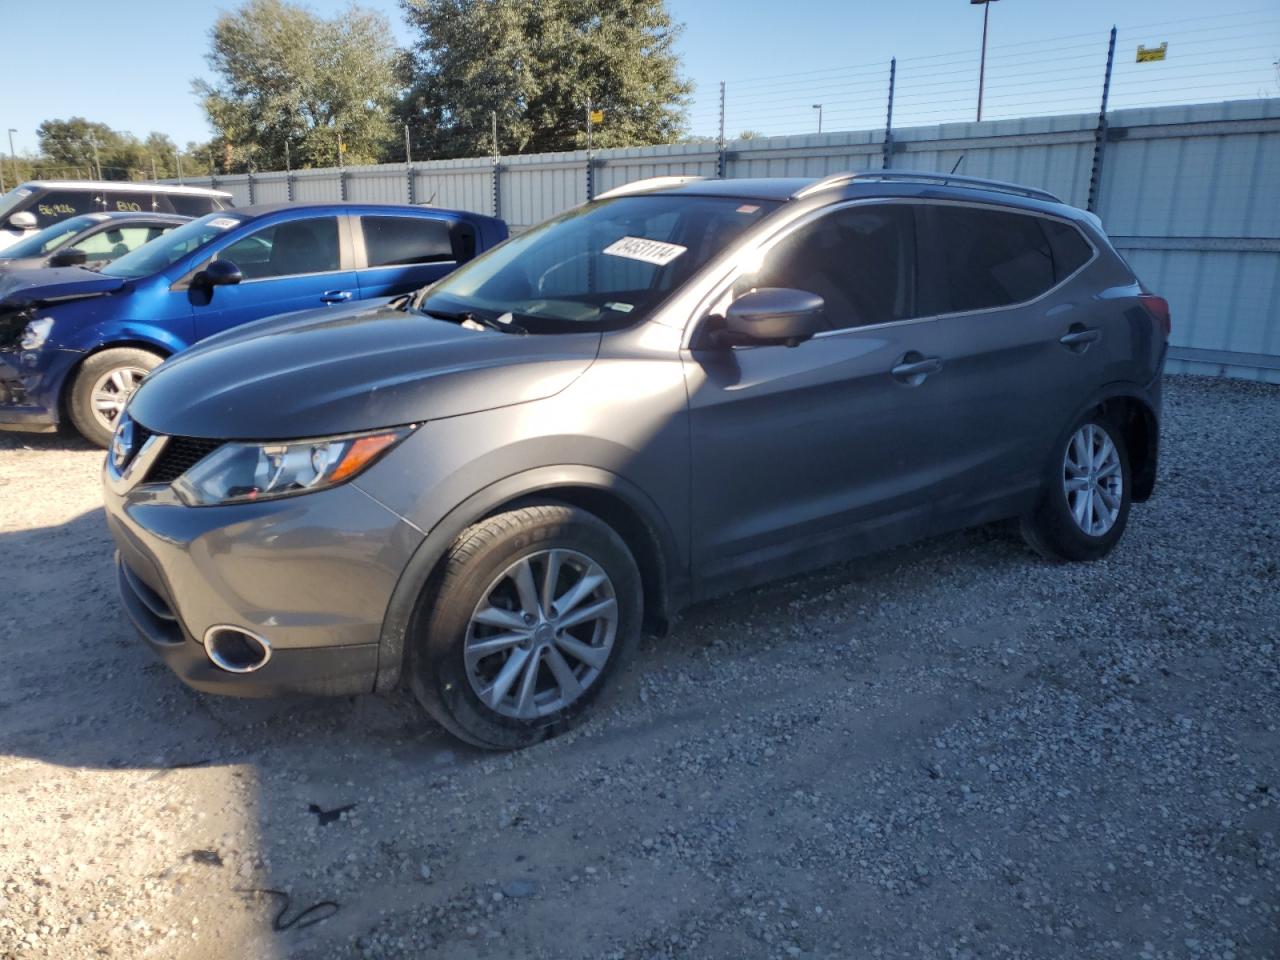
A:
(721, 159)
(408, 166)
(342, 183)
(1100, 133)
(888, 120)
(252, 198)
(497, 163)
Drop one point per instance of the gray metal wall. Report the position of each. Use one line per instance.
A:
(1190, 195)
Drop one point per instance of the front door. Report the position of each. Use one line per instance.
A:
(803, 454)
(294, 265)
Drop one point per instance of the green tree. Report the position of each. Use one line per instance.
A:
(80, 147)
(284, 75)
(536, 63)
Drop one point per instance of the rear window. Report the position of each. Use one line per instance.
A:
(992, 258)
(392, 241)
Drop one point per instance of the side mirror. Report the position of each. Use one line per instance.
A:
(25, 220)
(68, 257)
(772, 315)
(219, 273)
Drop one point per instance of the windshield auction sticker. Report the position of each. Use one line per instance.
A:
(224, 223)
(648, 251)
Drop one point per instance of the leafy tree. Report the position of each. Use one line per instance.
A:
(79, 147)
(285, 75)
(536, 63)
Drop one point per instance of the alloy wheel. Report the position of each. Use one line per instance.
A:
(112, 391)
(1093, 480)
(541, 634)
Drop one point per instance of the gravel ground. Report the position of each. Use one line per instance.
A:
(951, 750)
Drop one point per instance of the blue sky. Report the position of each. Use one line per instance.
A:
(1045, 57)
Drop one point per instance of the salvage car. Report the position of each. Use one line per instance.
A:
(77, 342)
(90, 240)
(677, 390)
(37, 204)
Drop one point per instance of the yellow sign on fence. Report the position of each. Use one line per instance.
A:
(1151, 54)
(597, 116)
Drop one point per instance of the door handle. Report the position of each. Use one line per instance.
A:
(1078, 339)
(335, 296)
(913, 368)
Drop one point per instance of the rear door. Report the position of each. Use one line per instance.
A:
(396, 253)
(1021, 337)
(802, 453)
(291, 265)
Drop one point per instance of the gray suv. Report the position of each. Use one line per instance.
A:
(488, 488)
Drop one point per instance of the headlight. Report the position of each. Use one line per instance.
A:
(245, 472)
(36, 333)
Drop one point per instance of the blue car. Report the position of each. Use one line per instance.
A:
(75, 343)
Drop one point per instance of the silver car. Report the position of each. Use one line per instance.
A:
(487, 489)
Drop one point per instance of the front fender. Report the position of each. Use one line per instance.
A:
(530, 483)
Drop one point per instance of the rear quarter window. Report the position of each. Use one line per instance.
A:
(1070, 250)
(396, 241)
(191, 206)
(992, 258)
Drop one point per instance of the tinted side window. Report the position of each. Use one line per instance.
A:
(133, 201)
(190, 206)
(287, 249)
(1070, 250)
(57, 205)
(860, 260)
(991, 258)
(403, 240)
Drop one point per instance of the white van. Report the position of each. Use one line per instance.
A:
(36, 204)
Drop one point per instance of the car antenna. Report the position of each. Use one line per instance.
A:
(956, 165)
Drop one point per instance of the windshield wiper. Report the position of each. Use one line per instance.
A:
(466, 316)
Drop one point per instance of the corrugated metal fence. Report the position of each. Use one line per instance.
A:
(1190, 195)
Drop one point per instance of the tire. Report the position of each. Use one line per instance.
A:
(1052, 529)
(118, 370)
(478, 581)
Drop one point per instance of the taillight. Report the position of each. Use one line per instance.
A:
(1158, 307)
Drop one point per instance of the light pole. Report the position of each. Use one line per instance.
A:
(818, 107)
(982, 63)
(13, 155)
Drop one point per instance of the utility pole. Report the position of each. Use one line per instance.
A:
(97, 162)
(982, 63)
(408, 157)
(588, 126)
(818, 107)
(13, 155)
(493, 118)
(154, 177)
(287, 166)
(177, 159)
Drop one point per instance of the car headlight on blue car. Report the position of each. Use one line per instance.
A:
(35, 334)
(250, 472)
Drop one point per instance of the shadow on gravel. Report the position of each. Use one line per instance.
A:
(65, 439)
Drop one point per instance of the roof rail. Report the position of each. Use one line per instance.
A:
(916, 176)
(642, 186)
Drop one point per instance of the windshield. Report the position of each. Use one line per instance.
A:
(48, 239)
(12, 199)
(600, 266)
(163, 252)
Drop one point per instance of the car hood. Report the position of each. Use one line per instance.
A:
(51, 284)
(331, 371)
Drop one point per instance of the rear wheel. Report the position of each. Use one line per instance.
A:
(1085, 506)
(103, 385)
(533, 611)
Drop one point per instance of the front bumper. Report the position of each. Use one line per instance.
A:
(30, 385)
(311, 574)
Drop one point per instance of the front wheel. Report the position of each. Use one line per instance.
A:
(532, 612)
(103, 385)
(1085, 506)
